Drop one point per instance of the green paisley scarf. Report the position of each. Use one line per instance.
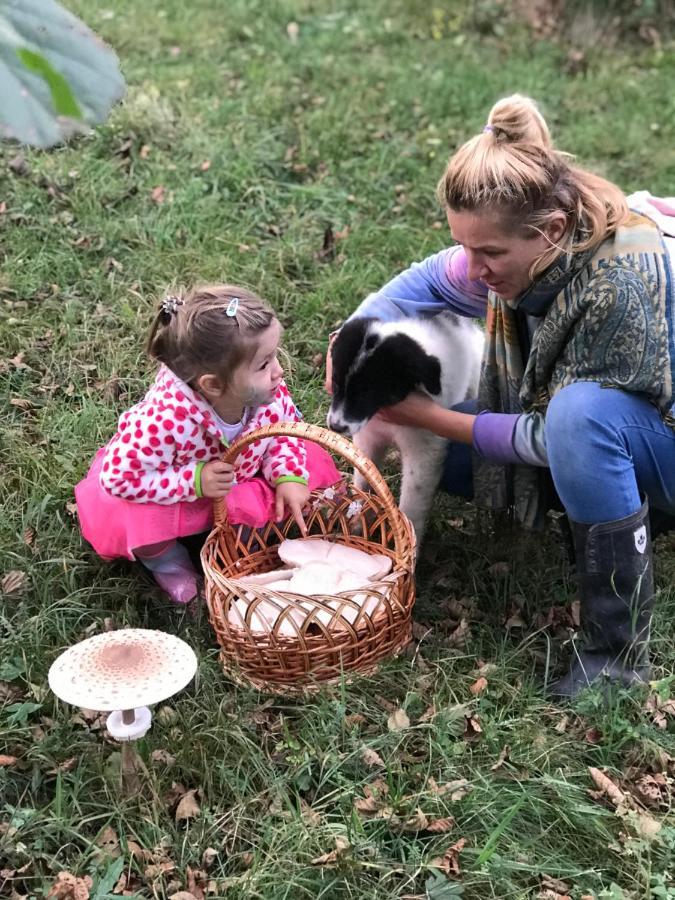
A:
(606, 315)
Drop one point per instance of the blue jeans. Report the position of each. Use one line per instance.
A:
(605, 448)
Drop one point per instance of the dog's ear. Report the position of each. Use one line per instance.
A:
(429, 373)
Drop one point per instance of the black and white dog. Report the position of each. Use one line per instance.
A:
(377, 364)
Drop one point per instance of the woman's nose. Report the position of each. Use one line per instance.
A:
(475, 267)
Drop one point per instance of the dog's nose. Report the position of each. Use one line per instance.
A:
(337, 425)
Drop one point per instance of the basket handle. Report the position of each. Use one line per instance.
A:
(331, 441)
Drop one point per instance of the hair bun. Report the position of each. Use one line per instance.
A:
(517, 120)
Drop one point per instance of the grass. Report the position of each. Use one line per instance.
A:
(348, 127)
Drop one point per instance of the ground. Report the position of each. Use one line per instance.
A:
(295, 147)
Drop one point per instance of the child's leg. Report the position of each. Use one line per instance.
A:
(172, 569)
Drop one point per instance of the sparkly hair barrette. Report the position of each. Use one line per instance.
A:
(168, 307)
(232, 307)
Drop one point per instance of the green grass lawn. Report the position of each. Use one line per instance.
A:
(236, 150)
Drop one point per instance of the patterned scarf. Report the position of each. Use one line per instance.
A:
(606, 315)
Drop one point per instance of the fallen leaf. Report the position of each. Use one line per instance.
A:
(478, 686)
(18, 165)
(607, 787)
(449, 862)
(108, 842)
(70, 887)
(205, 166)
(499, 569)
(398, 720)
(457, 789)
(188, 806)
(163, 757)
(158, 869)
(144, 152)
(12, 582)
(157, 194)
(293, 30)
(472, 729)
(330, 859)
(593, 735)
(460, 635)
(317, 360)
(502, 758)
(371, 758)
(8, 760)
(440, 826)
(554, 884)
(209, 857)
(182, 895)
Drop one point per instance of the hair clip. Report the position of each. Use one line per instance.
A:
(232, 307)
(170, 305)
(490, 128)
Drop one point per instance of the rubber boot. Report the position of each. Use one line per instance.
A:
(173, 571)
(616, 587)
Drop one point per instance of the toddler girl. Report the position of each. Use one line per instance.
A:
(156, 479)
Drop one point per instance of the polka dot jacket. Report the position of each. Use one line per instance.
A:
(163, 442)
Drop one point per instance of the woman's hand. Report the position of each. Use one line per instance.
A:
(217, 478)
(420, 411)
(293, 495)
(416, 411)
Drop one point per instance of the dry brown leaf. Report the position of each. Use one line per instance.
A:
(460, 635)
(449, 862)
(441, 826)
(8, 760)
(70, 887)
(472, 729)
(158, 869)
(163, 757)
(371, 758)
(478, 686)
(608, 787)
(330, 859)
(108, 842)
(502, 758)
(554, 884)
(188, 806)
(354, 720)
(205, 166)
(317, 360)
(593, 735)
(157, 194)
(12, 582)
(183, 895)
(456, 789)
(144, 152)
(429, 713)
(499, 569)
(209, 857)
(561, 726)
(398, 720)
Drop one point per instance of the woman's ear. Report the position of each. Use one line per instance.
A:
(210, 386)
(556, 226)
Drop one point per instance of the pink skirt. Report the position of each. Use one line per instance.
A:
(116, 527)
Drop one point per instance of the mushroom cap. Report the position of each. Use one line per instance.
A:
(302, 551)
(122, 669)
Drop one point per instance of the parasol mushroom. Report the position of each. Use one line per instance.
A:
(123, 672)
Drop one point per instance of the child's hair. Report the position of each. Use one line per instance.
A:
(512, 170)
(210, 329)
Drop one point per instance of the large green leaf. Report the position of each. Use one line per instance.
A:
(56, 75)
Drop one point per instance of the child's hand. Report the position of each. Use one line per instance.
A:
(217, 478)
(293, 495)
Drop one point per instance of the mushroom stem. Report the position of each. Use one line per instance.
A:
(131, 782)
(128, 716)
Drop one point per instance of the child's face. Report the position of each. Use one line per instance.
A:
(255, 382)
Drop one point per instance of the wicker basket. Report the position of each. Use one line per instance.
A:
(318, 639)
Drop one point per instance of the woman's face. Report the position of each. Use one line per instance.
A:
(499, 259)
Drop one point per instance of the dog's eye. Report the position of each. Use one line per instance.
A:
(371, 341)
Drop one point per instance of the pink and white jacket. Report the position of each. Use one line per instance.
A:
(163, 442)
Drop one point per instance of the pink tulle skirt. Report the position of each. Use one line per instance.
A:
(116, 527)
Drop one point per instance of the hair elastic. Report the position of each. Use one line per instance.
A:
(232, 307)
(490, 128)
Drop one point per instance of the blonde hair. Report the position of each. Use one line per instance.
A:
(513, 170)
(204, 331)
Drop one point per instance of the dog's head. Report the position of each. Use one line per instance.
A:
(374, 367)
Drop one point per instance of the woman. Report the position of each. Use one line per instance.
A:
(577, 380)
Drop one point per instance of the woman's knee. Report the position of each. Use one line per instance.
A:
(575, 420)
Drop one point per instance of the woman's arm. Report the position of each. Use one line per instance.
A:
(503, 438)
(440, 282)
